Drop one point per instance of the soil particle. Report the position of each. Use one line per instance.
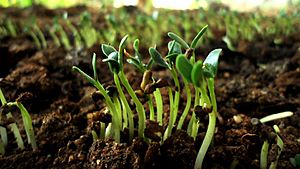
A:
(109, 154)
(178, 151)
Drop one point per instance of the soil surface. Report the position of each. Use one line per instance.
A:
(259, 80)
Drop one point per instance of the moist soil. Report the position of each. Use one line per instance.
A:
(260, 79)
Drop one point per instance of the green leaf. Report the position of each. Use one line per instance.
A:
(197, 73)
(178, 39)
(136, 49)
(27, 125)
(184, 67)
(136, 63)
(87, 77)
(172, 57)
(107, 49)
(211, 63)
(174, 47)
(122, 43)
(155, 55)
(136, 45)
(198, 36)
(112, 61)
(94, 63)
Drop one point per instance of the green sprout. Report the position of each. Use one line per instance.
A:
(10, 26)
(62, 34)
(87, 31)
(266, 144)
(201, 75)
(76, 34)
(27, 122)
(115, 62)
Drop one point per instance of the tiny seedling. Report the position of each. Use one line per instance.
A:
(266, 144)
(26, 122)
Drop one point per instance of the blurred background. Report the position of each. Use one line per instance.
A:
(241, 5)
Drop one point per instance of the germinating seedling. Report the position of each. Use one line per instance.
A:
(198, 74)
(13, 126)
(266, 144)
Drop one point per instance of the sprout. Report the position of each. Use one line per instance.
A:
(279, 142)
(26, 122)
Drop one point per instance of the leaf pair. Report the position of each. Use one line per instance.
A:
(114, 57)
(195, 73)
(136, 60)
(183, 43)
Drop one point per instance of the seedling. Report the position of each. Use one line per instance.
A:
(87, 31)
(26, 122)
(63, 35)
(279, 142)
(200, 75)
(76, 35)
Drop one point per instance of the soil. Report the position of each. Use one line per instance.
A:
(258, 80)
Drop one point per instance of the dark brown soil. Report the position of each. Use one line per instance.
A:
(259, 80)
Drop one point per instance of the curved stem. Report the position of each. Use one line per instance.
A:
(211, 125)
(174, 110)
(115, 118)
(207, 140)
(139, 106)
(187, 106)
(126, 111)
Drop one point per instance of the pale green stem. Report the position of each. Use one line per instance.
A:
(211, 125)
(193, 118)
(139, 106)
(14, 128)
(207, 140)
(115, 118)
(187, 106)
(159, 106)
(102, 130)
(117, 103)
(127, 111)
(41, 35)
(55, 38)
(151, 108)
(171, 99)
(264, 155)
(35, 39)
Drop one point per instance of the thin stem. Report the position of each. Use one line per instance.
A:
(102, 130)
(207, 140)
(174, 105)
(211, 88)
(127, 111)
(151, 108)
(13, 126)
(159, 106)
(117, 104)
(55, 38)
(35, 39)
(264, 155)
(191, 127)
(187, 106)
(139, 106)
(27, 123)
(115, 118)
(171, 99)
